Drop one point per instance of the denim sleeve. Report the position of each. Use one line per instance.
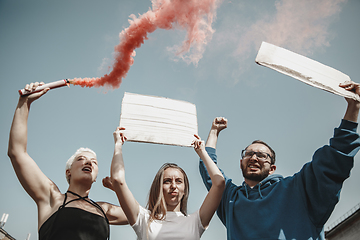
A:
(222, 210)
(203, 171)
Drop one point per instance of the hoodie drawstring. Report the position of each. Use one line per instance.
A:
(261, 196)
(246, 190)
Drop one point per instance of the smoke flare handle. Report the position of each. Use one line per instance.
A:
(52, 85)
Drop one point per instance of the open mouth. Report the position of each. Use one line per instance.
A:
(87, 169)
(253, 167)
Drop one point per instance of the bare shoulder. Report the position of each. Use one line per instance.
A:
(106, 206)
(114, 213)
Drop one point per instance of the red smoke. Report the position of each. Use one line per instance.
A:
(194, 16)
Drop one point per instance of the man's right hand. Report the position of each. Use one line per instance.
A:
(219, 124)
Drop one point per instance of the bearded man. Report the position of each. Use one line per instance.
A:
(270, 206)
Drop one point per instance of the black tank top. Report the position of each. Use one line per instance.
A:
(75, 223)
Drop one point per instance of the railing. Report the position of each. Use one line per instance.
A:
(343, 217)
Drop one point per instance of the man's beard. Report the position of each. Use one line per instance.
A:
(256, 176)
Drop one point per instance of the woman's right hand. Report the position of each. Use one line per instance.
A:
(108, 183)
(32, 86)
(119, 136)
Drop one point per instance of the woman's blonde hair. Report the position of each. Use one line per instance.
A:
(72, 158)
(156, 203)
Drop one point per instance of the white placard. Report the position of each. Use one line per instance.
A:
(304, 69)
(158, 120)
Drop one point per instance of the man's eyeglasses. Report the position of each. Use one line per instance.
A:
(262, 156)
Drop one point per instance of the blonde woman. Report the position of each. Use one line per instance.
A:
(166, 214)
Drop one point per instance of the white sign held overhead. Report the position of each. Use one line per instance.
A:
(158, 120)
(304, 69)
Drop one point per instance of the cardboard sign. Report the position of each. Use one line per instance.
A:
(304, 69)
(158, 120)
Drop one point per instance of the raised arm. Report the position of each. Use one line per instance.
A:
(218, 124)
(352, 111)
(322, 179)
(214, 195)
(118, 184)
(35, 183)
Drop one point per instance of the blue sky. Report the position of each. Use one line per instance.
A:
(52, 40)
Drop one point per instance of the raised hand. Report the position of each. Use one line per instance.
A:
(119, 136)
(219, 124)
(32, 86)
(199, 145)
(352, 111)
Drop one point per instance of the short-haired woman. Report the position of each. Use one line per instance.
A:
(60, 216)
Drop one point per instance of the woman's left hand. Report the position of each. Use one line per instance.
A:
(199, 145)
(119, 135)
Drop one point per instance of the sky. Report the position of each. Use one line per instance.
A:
(53, 40)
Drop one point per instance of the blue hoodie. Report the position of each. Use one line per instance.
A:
(295, 207)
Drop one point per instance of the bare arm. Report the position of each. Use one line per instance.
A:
(218, 124)
(352, 111)
(213, 198)
(35, 183)
(114, 213)
(118, 184)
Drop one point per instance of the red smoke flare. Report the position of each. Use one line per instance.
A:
(195, 16)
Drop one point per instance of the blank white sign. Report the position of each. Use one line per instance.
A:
(304, 69)
(158, 120)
